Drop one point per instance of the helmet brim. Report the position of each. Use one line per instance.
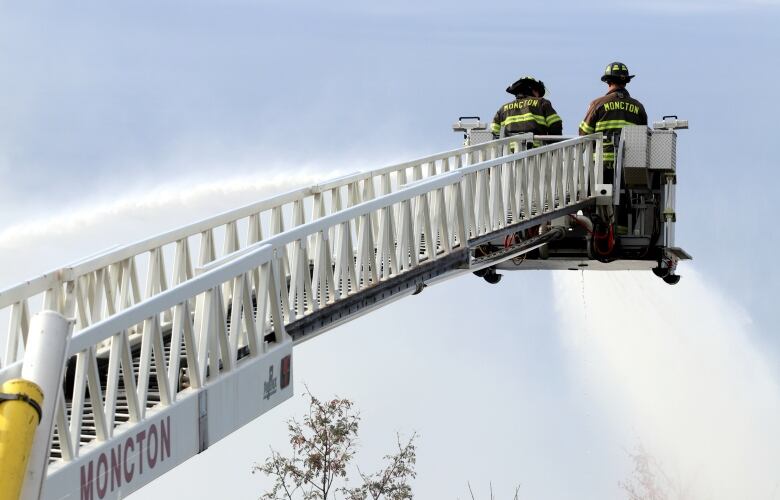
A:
(606, 78)
(530, 83)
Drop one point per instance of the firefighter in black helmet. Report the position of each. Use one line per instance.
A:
(610, 113)
(529, 112)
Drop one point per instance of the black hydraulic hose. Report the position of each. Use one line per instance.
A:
(500, 253)
(555, 233)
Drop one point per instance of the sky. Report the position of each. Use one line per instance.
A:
(108, 113)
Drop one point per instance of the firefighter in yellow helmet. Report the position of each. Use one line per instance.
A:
(529, 112)
(610, 113)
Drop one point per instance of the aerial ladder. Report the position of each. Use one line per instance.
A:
(147, 354)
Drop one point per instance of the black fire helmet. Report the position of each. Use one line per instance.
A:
(617, 72)
(526, 85)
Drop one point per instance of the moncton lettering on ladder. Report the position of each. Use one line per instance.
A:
(127, 460)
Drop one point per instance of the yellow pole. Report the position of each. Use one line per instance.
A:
(20, 413)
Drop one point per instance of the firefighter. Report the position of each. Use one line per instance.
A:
(529, 112)
(610, 113)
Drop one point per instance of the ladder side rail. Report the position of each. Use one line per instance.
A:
(29, 288)
(253, 256)
(454, 153)
(104, 263)
(221, 348)
(221, 353)
(85, 455)
(214, 272)
(148, 312)
(46, 281)
(482, 151)
(412, 191)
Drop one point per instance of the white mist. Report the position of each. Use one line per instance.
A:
(678, 372)
(32, 247)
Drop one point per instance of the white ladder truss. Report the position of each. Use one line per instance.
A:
(98, 287)
(180, 367)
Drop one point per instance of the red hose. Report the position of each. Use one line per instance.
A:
(609, 236)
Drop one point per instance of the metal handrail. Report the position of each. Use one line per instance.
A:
(219, 270)
(45, 281)
(102, 286)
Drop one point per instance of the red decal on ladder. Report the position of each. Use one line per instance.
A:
(285, 371)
